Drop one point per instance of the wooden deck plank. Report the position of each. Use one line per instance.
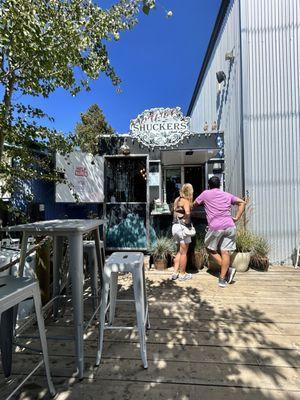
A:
(267, 356)
(205, 343)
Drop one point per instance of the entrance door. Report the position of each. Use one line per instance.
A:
(126, 205)
(196, 177)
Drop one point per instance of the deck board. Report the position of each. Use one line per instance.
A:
(242, 342)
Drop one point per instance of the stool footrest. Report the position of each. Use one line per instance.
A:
(125, 301)
(127, 328)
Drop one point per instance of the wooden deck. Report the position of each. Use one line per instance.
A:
(241, 342)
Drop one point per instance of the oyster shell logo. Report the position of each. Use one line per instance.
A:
(160, 127)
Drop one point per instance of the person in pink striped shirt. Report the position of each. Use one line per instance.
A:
(220, 238)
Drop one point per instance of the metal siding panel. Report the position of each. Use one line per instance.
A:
(227, 114)
(271, 120)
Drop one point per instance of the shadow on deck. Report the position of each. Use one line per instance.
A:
(242, 342)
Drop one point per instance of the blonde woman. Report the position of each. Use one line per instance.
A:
(181, 218)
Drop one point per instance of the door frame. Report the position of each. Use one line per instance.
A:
(147, 203)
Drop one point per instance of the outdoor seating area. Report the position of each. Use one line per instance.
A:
(204, 342)
(149, 200)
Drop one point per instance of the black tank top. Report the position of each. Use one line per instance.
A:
(179, 212)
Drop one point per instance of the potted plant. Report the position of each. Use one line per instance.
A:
(259, 259)
(245, 241)
(161, 251)
(199, 256)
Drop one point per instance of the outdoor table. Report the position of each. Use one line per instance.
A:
(73, 230)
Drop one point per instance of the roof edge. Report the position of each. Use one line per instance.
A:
(215, 33)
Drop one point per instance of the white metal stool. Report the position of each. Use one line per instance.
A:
(89, 249)
(12, 292)
(132, 262)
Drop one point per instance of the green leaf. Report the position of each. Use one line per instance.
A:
(146, 9)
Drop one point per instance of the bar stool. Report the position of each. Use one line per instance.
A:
(89, 249)
(132, 262)
(12, 292)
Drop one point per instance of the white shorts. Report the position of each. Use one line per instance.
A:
(221, 240)
(179, 236)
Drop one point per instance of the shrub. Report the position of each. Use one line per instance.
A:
(245, 241)
(162, 248)
(199, 242)
(261, 247)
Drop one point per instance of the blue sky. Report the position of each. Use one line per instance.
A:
(158, 62)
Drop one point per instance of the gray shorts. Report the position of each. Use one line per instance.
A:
(179, 236)
(221, 240)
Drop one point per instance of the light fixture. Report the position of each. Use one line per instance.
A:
(221, 77)
(214, 126)
(217, 167)
(124, 149)
(229, 56)
(205, 126)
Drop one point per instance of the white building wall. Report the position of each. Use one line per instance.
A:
(224, 106)
(271, 99)
(270, 40)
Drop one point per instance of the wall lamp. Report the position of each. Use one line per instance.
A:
(229, 56)
(221, 77)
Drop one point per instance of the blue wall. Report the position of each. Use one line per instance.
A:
(44, 193)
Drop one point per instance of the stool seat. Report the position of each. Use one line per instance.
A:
(13, 291)
(11, 288)
(131, 262)
(124, 261)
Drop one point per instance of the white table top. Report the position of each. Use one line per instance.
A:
(57, 226)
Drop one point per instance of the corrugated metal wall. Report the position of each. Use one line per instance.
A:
(271, 97)
(224, 106)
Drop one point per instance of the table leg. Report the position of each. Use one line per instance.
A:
(76, 270)
(138, 288)
(23, 253)
(98, 252)
(58, 242)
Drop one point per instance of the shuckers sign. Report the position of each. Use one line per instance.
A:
(160, 127)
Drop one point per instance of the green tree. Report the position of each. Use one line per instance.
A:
(93, 125)
(46, 44)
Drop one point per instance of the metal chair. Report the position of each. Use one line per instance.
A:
(12, 292)
(132, 262)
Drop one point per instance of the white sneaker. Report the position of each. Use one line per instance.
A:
(185, 277)
(174, 276)
(230, 274)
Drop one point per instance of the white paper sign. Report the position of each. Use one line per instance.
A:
(154, 179)
(85, 175)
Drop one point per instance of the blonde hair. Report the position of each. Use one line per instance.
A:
(187, 192)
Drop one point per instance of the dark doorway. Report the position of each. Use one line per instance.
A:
(196, 177)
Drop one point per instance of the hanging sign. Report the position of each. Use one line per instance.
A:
(160, 127)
